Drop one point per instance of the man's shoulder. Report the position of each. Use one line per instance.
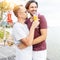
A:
(40, 16)
(17, 25)
(43, 22)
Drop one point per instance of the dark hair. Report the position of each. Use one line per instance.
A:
(29, 2)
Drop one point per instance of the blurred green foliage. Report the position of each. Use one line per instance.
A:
(1, 34)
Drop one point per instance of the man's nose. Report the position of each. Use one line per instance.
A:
(34, 8)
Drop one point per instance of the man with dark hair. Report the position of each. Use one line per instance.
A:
(39, 42)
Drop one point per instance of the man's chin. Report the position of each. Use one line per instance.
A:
(33, 13)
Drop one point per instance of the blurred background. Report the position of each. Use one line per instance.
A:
(50, 9)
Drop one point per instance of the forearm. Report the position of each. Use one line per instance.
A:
(21, 46)
(32, 29)
(29, 39)
(30, 36)
(38, 40)
(42, 37)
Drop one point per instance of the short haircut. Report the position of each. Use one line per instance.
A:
(29, 2)
(16, 8)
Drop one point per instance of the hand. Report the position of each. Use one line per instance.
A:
(35, 24)
(21, 46)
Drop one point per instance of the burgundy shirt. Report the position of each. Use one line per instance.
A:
(37, 33)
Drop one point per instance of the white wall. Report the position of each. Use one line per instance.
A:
(51, 10)
(53, 43)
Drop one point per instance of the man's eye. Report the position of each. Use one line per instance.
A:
(32, 7)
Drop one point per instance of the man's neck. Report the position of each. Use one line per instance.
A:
(21, 20)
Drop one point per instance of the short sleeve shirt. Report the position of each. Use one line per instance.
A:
(20, 31)
(37, 33)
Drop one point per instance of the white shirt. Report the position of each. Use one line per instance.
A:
(21, 31)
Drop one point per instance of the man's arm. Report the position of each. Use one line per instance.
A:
(41, 38)
(27, 41)
(22, 46)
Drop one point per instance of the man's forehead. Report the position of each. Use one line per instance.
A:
(22, 9)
